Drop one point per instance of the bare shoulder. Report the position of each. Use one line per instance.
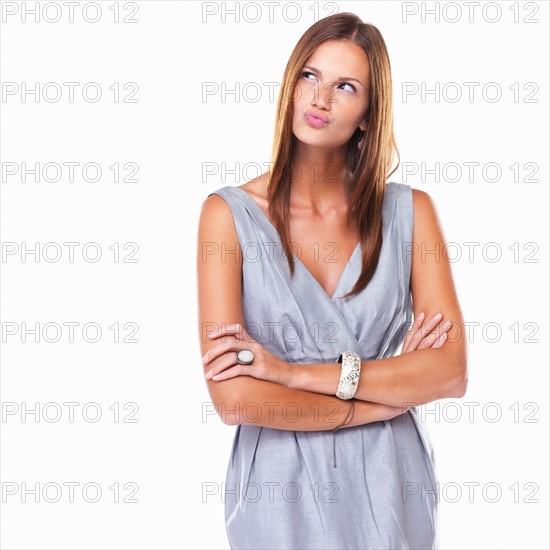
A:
(422, 201)
(215, 213)
(426, 219)
(431, 278)
(216, 218)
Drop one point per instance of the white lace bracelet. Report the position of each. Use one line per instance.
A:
(349, 376)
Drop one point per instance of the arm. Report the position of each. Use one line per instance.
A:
(422, 375)
(243, 399)
(268, 404)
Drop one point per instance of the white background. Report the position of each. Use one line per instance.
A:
(169, 452)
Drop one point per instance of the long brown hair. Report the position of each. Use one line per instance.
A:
(367, 169)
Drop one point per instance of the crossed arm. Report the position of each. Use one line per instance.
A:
(304, 397)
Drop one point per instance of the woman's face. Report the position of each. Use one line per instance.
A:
(332, 84)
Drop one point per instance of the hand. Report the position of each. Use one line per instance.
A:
(265, 366)
(419, 337)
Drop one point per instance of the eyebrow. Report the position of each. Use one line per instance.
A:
(339, 80)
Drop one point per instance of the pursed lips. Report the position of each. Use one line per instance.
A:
(316, 115)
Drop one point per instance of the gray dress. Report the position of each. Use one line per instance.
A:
(283, 489)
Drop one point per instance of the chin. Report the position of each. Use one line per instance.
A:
(311, 142)
(317, 143)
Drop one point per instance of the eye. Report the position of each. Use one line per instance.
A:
(306, 73)
(348, 84)
(353, 89)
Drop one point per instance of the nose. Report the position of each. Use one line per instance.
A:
(321, 95)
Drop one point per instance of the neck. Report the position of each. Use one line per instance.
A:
(318, 177)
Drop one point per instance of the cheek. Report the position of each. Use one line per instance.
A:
(301, 93)
(351, 113)
(301, 99)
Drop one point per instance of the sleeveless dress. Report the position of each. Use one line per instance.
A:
(283, 489)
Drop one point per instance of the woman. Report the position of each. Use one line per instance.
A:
(364, 263)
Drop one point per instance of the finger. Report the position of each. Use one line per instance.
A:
(429, 340)
(443, 335)
(223, 363)
(228, 349)
(442, 329)
(417, 338)
(220, 349)
(440, 341)
(417, 323)
(235, 329)
(224, 330)
(433, 322)
(229, 373)
(415, 327)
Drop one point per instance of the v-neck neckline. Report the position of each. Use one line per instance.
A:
(273, 229)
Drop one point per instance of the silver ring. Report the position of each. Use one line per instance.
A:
(245, 357)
